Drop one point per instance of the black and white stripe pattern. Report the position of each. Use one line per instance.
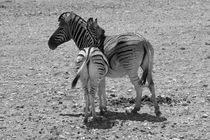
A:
(71, 26)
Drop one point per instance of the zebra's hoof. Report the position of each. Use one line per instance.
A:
(131, 110)
(99, 119)
(158, 113)
(103, 110)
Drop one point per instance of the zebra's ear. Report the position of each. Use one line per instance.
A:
(63, 16)
(96, 21)
(89, 22)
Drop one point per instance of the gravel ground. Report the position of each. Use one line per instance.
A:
(37, 102)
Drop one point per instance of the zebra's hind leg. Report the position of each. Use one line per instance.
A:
(87, 104)
(135, 81)
(152, 90)
(102, 97)
(92, 100)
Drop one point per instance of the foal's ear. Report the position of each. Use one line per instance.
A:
(90, 20)
(96, 20)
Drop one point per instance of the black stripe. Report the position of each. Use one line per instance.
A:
(81, 55)
(99, 63)
(77, 35)
(81, 38)
(124, 51)
(123, 58)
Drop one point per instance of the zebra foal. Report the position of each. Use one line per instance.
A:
(125, 54)
(92, 68)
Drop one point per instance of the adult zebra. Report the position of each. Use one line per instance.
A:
(92, 67)
(125, 54)
(72, 26)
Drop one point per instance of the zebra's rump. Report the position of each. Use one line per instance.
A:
(124, 49)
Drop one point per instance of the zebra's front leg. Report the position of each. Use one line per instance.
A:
(102, 97)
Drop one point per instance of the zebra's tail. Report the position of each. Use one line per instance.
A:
(74, 82)
(148, 66)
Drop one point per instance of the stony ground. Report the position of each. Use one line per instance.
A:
(37, 102)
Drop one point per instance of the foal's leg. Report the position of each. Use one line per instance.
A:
(84, 80)
(87, 104)
(102, 97)
(92, 99)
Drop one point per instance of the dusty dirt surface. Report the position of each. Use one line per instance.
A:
(37, 102)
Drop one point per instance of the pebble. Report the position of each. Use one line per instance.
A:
(204, 115)
(184, 104)
(31, 68)
(130, 90)
(112, 95)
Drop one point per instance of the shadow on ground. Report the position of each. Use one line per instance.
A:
(111, 119)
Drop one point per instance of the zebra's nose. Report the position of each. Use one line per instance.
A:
(52, 45)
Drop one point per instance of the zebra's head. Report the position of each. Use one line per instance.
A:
(62, 33)
(95, 29)
(97, 32)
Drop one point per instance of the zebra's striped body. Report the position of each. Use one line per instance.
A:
(125, 54)
(92, 70)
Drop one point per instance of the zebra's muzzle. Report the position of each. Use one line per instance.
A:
(52, 45)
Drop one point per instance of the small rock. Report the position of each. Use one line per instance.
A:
(185, 104)
(31, 68)
(204, 115)
(205, 85)
(75, 106)
(207, 43)
(112, 95)
(182, 48)
(130, 90)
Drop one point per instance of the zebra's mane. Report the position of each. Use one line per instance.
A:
(67, 16)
